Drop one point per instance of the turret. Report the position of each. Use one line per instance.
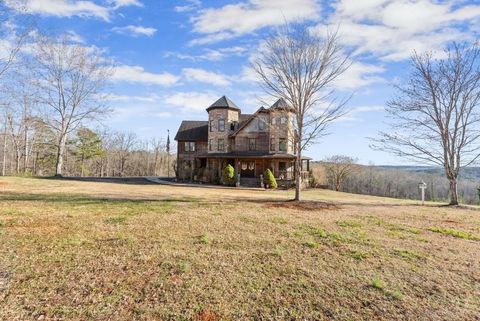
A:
(223, 118)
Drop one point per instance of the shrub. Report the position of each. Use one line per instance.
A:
(270, 180)
(215, 179)
(229, 175)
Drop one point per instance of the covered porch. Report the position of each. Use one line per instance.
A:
(251, 168)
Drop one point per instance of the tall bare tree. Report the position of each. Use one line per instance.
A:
(339, 168)
(71, 79)
(300, 68)
(436, 113)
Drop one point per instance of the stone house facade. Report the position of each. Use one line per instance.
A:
(251, 143)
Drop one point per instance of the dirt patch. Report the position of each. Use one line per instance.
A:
(303, 205)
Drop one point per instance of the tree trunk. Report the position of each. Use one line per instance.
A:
(25, 150)
(60, 154)
(298, 178)
(4, 163)
(453, 192)
(82, 169)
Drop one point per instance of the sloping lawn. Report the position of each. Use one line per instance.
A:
(74, 250)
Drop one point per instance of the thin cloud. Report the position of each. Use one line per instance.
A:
(205, 76)
(233, 20)
(191, 102)
(67, 8)
(136, 74)
(391, 30)
(135, 31)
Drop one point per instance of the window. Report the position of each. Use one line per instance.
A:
(282, 145)
(221, 125)
(272, 144)
(210, 145)
(189, 146)
(283, 120)
(210, 125)
(221, 145)
(273, 121)
(233, 124)
(252, 144)
(261, 124)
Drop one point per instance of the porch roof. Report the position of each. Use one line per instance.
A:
(250, 155)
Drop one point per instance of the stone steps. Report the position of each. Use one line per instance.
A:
(250, 181)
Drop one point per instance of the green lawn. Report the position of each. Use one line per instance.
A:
(73, 250)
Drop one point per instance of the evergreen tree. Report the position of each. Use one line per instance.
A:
(229, 174)
(270, 180)
(88, 146)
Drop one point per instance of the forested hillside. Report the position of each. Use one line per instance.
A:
(401, 181)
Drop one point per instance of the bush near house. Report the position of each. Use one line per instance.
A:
(270, 181)
(229, 175)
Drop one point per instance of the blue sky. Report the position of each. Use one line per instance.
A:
(174, 58)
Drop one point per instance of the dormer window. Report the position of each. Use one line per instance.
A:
(283, 120)
(221, 125)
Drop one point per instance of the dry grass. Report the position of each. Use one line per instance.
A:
(104, 251)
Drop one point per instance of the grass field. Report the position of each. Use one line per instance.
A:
(72, 250)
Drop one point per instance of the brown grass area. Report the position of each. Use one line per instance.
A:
(73, 250)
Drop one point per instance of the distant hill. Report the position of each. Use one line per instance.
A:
(469, 173)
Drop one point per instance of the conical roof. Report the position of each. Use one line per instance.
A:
(281, 103)
(223, 102)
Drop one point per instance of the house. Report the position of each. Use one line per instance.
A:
(251, 143)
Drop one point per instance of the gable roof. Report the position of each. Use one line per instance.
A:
(192, 130)
(246, 120)
(223, 102)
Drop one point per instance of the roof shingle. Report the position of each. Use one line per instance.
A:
(192, 130)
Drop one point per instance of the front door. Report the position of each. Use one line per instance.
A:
(247, 169)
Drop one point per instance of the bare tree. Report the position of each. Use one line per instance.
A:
(124, 144)
(158, 146)
(436, 113)
(300, 68)
(12, 39)
(71, 79)
(339, 168)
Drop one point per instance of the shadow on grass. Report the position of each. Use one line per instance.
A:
(111, 180)
(88, 200)
(319, 204)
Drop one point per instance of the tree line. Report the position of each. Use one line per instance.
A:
(52, 102)
(32, 151)
(342, 173)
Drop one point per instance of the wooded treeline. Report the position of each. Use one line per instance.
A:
(394, 182)
(31, 150)
(53, 94)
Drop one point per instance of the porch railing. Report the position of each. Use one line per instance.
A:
(287, 175)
